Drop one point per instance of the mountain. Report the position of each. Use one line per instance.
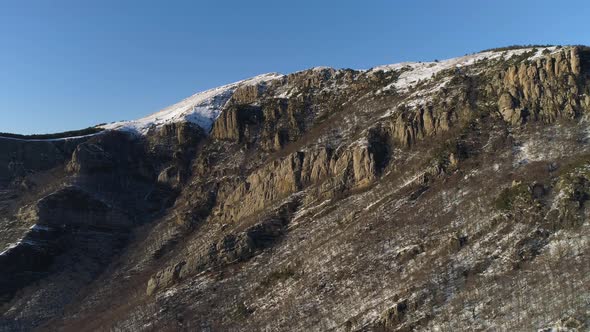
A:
(431, 196)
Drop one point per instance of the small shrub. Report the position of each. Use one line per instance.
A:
(241, 311)
(279, 275)
(509, 196)
(513, 47)
(575, 164)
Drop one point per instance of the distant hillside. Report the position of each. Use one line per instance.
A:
(65, 134)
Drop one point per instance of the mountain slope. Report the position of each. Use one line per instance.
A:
(443, 196)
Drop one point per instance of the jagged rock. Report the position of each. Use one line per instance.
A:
(312, 78)
(407, 253)
(395, 314)
(227, 126)
(545, 89)
(237, 123)
(354, 166)
(316, 166)
(410, 125)
(264, 187)
(508, 109)
(165, 278)
(170, 176)
(247, 94)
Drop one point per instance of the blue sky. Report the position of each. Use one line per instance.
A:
(72, 64)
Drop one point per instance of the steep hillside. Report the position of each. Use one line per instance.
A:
(442, 196)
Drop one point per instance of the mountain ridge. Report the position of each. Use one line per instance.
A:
(142, 124)
(422, 196)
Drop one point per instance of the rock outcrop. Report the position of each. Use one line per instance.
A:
(544, 89)
(74, 207)
(19, 158)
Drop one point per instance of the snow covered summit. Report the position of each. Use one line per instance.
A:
(202, 108)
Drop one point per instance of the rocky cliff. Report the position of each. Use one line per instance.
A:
(421, 196)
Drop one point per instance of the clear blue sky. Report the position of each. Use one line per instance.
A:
(72, 64)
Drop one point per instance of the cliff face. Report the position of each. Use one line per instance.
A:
(544, 89)
(424, 196)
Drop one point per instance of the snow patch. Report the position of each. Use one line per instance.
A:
(413, 72)
(532, 151)
(37, 227)
(10, 247)
(541, 52)
(563, 243)
(202, 108)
